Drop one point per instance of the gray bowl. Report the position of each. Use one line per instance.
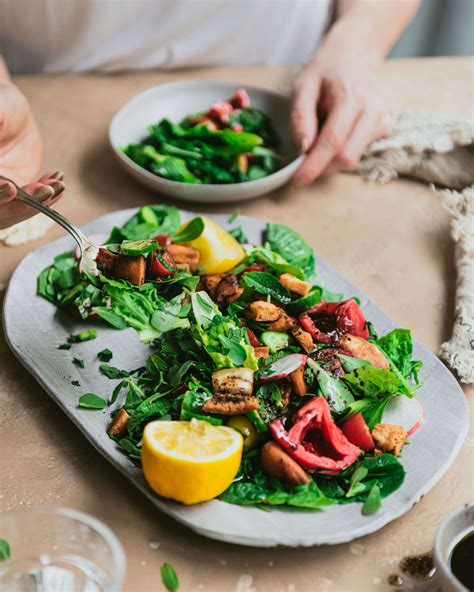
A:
(174, 101)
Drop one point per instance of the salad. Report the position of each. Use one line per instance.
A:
(262, 386)
(232, 142)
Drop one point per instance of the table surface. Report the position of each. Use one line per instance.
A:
(392, 240)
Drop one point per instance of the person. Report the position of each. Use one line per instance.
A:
(336, 112)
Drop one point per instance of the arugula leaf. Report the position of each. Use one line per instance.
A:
(82, 336)
(92, 401)
(334, 391)
(105, 355)
(292, 247)
(5, 552)
(266, 283)
(192, 230)
(169, 577)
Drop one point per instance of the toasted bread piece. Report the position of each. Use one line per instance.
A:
(295, 285)
(131, 269)
(228, 290)
(230, 404)
(361, 348)
(262, 311)
(209, 283)
(302, 337)
(118, 427)
(283, 324)
(183, 254)
(106, 260)
(389, 438)
(298, 382)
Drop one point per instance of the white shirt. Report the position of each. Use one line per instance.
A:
(112, 35)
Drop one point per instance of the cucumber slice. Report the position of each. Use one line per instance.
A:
(302, 304)
(274, 340)
(140, 247)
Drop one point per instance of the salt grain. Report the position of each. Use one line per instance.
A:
(357, 549)
(245, 584)
(154, 545)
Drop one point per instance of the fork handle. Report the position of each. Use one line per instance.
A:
(73, 230)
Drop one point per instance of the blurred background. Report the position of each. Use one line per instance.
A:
(441, 27)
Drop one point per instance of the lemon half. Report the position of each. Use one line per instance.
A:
(190, 461)
(219, 251)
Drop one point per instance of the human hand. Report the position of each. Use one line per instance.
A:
(20, 157)
(335, 112)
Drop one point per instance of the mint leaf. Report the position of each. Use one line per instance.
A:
(105, 355)
(169, 577)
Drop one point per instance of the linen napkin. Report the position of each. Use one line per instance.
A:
(438, 149)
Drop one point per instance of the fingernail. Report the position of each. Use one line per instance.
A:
(57, 186)
(43, 193)
(303, 145)
(5, 190)
(58, 175)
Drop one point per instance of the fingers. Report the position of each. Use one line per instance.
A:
(39, 191)
(7, 192)
(331, 140)
(371, 125)
(303, 118)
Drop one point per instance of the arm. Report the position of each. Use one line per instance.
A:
(336, 114)
(20, 154)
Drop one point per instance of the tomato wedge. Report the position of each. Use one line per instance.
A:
(357, 432)
(162, 264)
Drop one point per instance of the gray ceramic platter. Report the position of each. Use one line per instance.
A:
(34, 328)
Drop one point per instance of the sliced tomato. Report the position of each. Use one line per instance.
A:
(240, 100)
(163, 239)
(162, 264)
(351, 320)
(254, 340)
(357, 432)
(255, 267)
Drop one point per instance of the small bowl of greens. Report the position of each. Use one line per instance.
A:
(206, 141)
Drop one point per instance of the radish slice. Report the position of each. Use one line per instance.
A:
(282, 367)
(96, 239)
(405, 412)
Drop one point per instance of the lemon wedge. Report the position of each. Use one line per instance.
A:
(219, 251)
(190, 461)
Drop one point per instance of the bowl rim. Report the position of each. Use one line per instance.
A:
(224, 187)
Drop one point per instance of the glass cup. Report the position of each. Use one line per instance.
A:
(59, 550)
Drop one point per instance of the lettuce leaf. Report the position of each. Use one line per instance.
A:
(398, 346)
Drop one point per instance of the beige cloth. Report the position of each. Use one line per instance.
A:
(438, 149)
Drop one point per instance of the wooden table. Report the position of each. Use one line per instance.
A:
(392, 240)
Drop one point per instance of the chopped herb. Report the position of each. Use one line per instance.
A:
(105, 355)
(64, 346)
(233, 217)
(82, 336)
(75, 383)
(92, 401)
(169, 577)
(112, 372)
(78, 362)
(5, 552)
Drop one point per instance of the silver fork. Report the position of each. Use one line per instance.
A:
(89, 251)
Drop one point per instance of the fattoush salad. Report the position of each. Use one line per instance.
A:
(231, 142)
(262, 386)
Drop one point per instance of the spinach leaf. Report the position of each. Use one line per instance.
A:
(147, 223)
(92, 401)
(266, 283)
(191, 231)
(146, 410)
(292, 247)
(274, 261)
(334, 391)
(398, 346)
(373, 501)
(350, 364)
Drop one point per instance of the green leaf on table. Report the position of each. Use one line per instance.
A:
(114, 373)
(82, 336)
(105, 355)
(75, 383)
(78, 362)
(92, 401)
(65, 346)
(292, 247)
(233, 217)
(5, 552)
(169, 577)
